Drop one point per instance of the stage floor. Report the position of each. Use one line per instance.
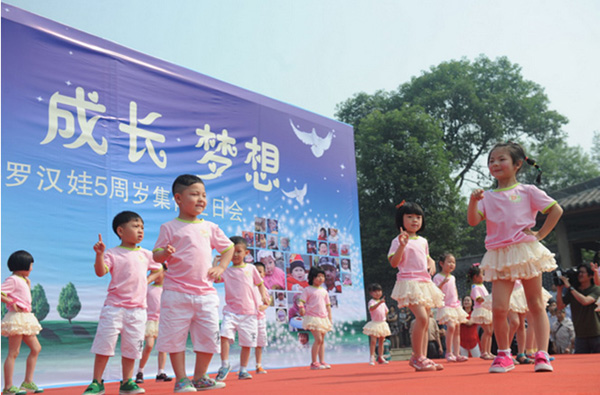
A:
(573, 374)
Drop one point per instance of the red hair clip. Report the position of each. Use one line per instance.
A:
(400, 204)
(476, 264)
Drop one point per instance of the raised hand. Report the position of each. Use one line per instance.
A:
(477, 194)
(403, 237)
(99, 247)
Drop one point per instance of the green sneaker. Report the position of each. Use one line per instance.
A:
(13, 391)
(31, 388)
(130, 387)
(96, 388)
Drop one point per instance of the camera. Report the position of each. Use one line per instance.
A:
(571, 274)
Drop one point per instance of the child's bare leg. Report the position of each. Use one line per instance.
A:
(521, 335)
(380, 346)
(372, 343)
(178, 364)
(450, 330)
(35, 348)
(99, 366)
(146, 352)
(245, 356)
(537, 310)
(417, 337)
(501, 292)
(224, 348)
(317, 341)
(258, 355)
(322, 349)
(14, 345)
(162, 361)
(456, 342)
(202, 362)
(128, 365)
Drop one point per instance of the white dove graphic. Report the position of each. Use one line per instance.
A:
(318, 145)
(297, 194)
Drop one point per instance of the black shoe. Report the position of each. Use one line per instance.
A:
(163, 377)
(139, 378)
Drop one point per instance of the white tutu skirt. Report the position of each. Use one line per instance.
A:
(481, 315)
(151, 329)
(319, 324)
(455, 315)
(517, 261)
(546, 296)
(518, 302)
(424, 293)
(377, 329)
(19, 323)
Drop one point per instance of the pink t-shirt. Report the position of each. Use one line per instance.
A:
(380, 313)
(240, 282)
(413, 265)
(315, 300)
(511, 210)
(16, 288)
(449, 289)
(153, 300)
(276, 278)
(478, 291)
(128, 269)
(189, 265)
(260, 314)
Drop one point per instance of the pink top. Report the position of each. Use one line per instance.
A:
(380, 313)
(189, 265)
(17, 288)
(413, 265)
(276, 278)
(478, 291)
(128, 268)
(511, 210)
(260, 314)
(449, 289)
(240, 282)
(315, 300)
(153, 299)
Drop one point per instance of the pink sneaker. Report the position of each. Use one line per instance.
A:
(422, 364)
(450, 357)
(461, 358)
(502, 363)
(381, 360)
(542, 362)
(316, 366)
(325, 365)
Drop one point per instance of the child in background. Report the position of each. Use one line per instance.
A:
(19, 324)
(261, 319)
(296, 280)
(469, 338)
(240, 311)
(153, 315)
(377, 328)
(452, 314)
(482, 314)
(410, 254)
(514, 251)
(315, 307)
(124, 310)
(190, 304)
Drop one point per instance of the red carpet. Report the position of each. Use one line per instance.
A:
(573, 374)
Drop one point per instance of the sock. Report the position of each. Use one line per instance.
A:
(242, 369)
(506, 352)
(258, 365)
(141, 370)
(224, 363)
(161, 371)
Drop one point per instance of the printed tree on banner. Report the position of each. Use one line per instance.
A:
(68, 302)
(39, 303)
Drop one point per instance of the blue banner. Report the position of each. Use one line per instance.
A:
(90, 128)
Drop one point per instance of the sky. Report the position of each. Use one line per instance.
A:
(315, 54)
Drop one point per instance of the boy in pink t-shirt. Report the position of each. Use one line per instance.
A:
(190, 303)
(240, 313)
(124, 310)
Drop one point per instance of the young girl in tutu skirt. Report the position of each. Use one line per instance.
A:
(19, 324)
(482, 310)
(315, 307)
(377, 329)
(414, 288)
(514, 251)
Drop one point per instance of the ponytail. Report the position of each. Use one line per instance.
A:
(533, 163)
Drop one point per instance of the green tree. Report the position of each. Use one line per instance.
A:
(4, 310)
(596, 148)
(39, 303)
(68, 302)
(476, 104)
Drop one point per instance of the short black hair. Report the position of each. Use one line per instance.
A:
(239, 240)
(19, 260)
(587, 268)
(123, 217)
(375, 287)
(314, 272)
(183, 181)
(409, 208)
(474, 270)
(260, 264)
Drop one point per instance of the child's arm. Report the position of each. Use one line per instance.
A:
(329, 312)
(99, 265)
(554, 213)
(154, 274)
(215, 272)
(162, 254)
(264, 293)
(376, 305)
(10, 302)
(397, 257)
(473, 216)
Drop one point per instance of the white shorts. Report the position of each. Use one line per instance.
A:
(129, 323)
(261, 338)
(244, 324)
(182, 313)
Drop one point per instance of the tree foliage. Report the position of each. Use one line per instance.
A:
(68, 302)
(39, 303)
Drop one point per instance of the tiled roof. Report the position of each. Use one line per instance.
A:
(580, 196)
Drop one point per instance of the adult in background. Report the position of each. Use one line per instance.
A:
(582, 300)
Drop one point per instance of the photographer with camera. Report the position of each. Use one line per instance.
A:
(582, 295)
